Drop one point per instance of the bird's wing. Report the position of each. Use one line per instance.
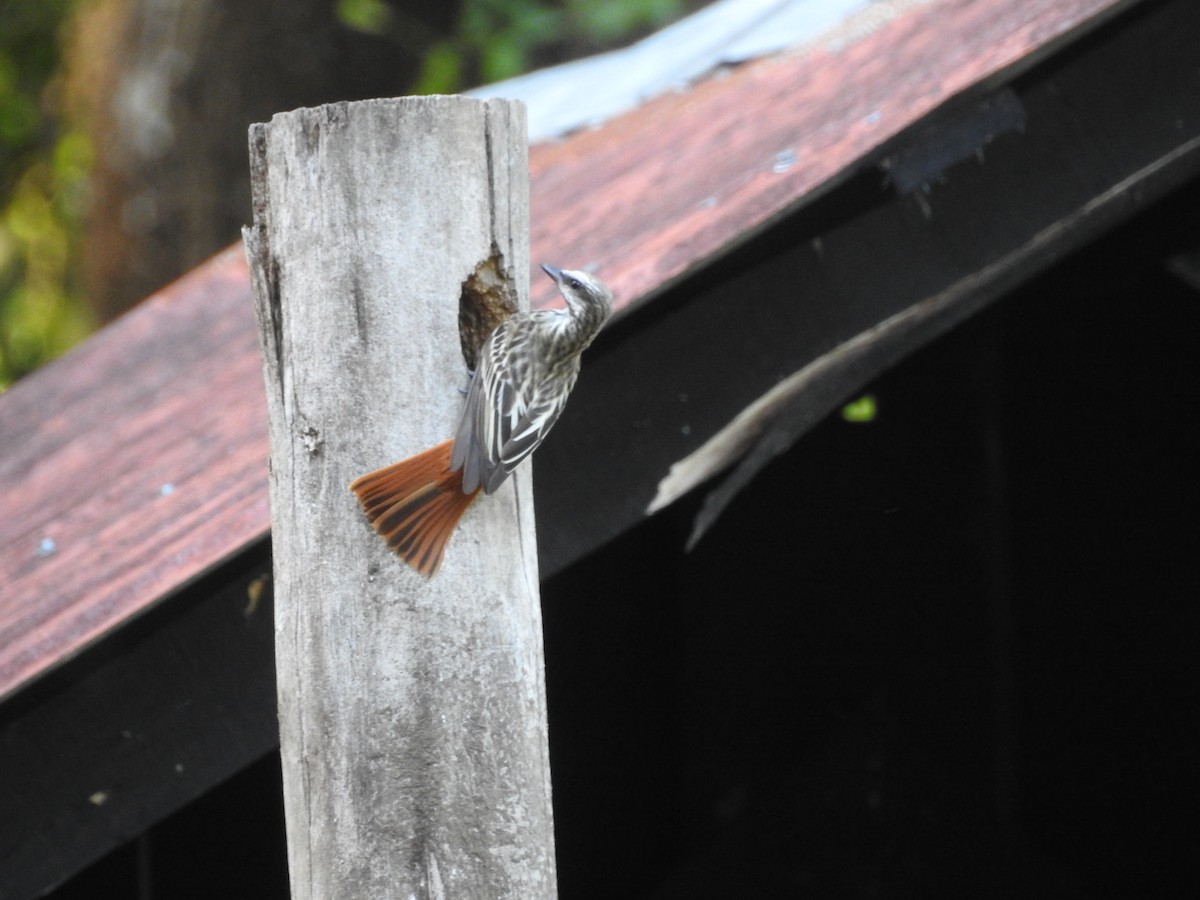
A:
(510, 407)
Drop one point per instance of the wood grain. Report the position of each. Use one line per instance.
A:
(412, 711)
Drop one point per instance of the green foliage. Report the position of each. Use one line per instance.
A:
(499, 39)
(862, 410)
(43, 177)
(612, 22)
(370, 16)
(44, 165)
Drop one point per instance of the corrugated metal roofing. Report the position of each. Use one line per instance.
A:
(588, 92)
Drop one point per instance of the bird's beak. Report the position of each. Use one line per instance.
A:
(553, 272)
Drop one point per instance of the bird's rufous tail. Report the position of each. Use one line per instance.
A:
(415, 504)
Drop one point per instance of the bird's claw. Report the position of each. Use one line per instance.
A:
(470, 377)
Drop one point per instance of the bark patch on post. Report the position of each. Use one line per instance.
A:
(489, 296)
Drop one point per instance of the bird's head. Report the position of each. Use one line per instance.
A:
(585, 294)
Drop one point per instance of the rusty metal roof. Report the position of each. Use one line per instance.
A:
(137, 463)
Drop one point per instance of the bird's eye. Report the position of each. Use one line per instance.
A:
(575, 283)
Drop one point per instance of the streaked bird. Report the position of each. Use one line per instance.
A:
(527, 368)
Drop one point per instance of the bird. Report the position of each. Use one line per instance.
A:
(526, 369)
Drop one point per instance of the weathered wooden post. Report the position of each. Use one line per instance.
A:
(412, 712)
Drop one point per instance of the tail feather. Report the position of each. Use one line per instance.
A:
(415, 504)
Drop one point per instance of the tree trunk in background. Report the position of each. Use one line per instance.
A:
(168, 89)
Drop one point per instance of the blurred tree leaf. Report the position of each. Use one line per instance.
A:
(499, 39)
(862, 410)
(612, 21)
(370, 16)
(441, 70)
(43, 181)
